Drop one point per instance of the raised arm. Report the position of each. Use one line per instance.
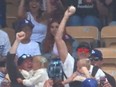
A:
(49, 7)
(21, 9)
(62, 49)
(11, 66)
(19, 37)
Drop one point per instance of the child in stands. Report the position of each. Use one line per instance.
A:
(38, 75)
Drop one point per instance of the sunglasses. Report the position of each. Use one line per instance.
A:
(95, 59)
(24, 56)
(85, 50)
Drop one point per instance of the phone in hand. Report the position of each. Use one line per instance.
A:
(102, 80)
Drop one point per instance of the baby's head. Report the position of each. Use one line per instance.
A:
(83, 63)
(39, 62)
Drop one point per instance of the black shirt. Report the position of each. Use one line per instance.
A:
(114, 10)
(13, 71)
(84, 8)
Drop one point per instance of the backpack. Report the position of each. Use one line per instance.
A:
(55, 71)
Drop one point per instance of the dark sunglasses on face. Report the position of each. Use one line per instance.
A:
(94, 59)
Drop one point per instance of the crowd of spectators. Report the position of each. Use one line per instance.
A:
(41, 37)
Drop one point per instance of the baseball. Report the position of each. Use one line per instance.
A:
(72, 9)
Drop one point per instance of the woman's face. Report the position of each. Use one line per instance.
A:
(34, 5)
(54, 27)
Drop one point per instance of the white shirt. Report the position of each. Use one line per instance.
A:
(32, 48)
(39, 30)
(99, 73)
(55, 50)
(38, 78)
(68, 66)
(25, 74)
(4, 43)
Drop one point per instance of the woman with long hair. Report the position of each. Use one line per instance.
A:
(31, 10)
(49, 48)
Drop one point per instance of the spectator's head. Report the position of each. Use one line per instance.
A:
(33, 5)
(83, 50)
(25, 62)
(96, 58)
(89, 83)
(49, 41)
(26, 26)
(53, 25)
(58, 84)
(83, 63)
(3, 67)
(39, 62)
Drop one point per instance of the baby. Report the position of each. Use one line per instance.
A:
(38, 75)
(82, 72)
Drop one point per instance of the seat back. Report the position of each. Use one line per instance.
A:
(108, 36)
(84, 33)
(109, 61)
(11, 34)
(11, 11)
(110, 69)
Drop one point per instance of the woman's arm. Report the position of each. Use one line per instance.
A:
(62, 49)
(21, 9)
(11, 66)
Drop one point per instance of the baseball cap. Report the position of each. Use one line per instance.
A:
(89, 82)
(22, 58)
(96, 55)
(22, 23)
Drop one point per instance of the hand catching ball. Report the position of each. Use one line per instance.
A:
(72, 9)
